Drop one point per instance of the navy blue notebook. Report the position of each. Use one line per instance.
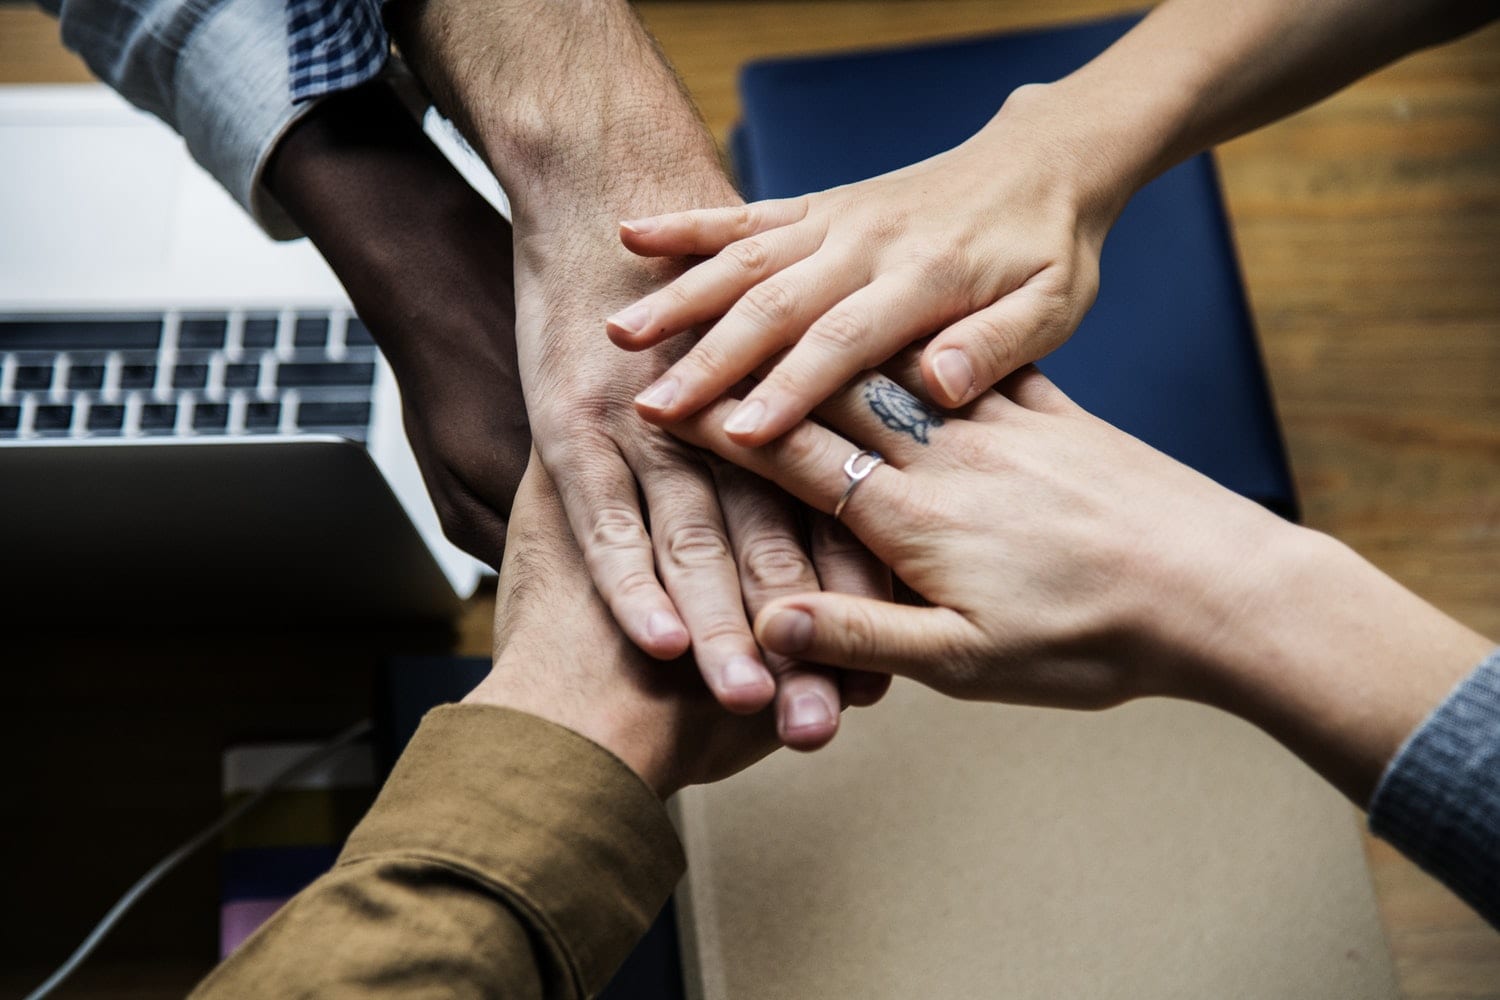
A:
(1168, 353)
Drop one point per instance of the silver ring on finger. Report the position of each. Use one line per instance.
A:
(857, 472)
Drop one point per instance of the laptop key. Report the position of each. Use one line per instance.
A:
(194, 332)
(158, 418)
(10, 420)
(33, 377)
(191, 376)
(333, 414)
(262, 416)
(259, 331)
(52, 421)
(137, 376)
(66, 334)
(106, 418)
(311, 331)
(301, 376)
(85, 376)
(210, 417)
(242, 376)
(356, 334)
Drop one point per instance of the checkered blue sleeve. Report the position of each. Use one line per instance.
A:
(335, 45)
(1439, 800)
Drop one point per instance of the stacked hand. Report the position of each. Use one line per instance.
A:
(994, 246)
(559, 656)
(1042, 535)
(1071, 565)
(680, 549)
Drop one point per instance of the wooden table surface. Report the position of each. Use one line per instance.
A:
(1369, 234)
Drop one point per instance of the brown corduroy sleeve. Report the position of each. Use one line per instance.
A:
(505, 857)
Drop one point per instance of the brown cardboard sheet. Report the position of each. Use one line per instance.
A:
(940, 849)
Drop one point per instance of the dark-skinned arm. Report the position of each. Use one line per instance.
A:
(427, 264)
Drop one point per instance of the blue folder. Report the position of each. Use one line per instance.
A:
(1168, 352)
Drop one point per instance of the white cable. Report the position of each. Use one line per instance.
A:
(304, 763)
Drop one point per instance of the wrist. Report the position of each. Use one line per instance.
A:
(1102, 143)
(1318, 648)
(617, 721)
(346, 174)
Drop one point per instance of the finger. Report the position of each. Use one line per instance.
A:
(605, 516)
(763, 530)
(707, 291)
(979, 350)
(769, 316)
(807, 462)
(905, 369)
(705, 231)
(860, 332)
(1028, 387)
(840, 630)
(694, 560)
(875, 410)
(846, 567)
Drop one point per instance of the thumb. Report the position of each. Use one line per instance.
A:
(861, 633)
(703, 232)
(979, 350)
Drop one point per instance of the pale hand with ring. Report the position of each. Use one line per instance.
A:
(1069, 564)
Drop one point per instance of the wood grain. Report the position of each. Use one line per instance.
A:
(1369, 233)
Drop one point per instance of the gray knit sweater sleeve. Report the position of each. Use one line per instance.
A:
(1439, 800)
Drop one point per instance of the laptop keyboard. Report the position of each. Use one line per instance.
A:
(198, 373)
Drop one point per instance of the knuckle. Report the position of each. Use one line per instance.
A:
(673, 298)
(616, 528)
(933, 265)
(573, 422)
(840, 332)
(694, 545)
(858, 636)
(636, 583)
(884, 227)
(747, 256)
(996, 344)
(732, 630)
(775, 565)
(800, 448)
(770, 303)
(707, 357)
(740, 219)
(958, 670)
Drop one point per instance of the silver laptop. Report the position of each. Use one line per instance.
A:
(194, 426)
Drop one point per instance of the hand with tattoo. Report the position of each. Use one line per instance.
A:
(1036, 530)
(1068, 564)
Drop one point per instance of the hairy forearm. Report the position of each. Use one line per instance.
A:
(1197, 72)
(571, 103)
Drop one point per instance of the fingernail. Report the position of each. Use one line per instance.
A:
(808, 711)
(660, 395)
(743, 672)
(632, 319)
(641, 226)
(788, 632)
(664, 625)
(746, 418)
(953, 373)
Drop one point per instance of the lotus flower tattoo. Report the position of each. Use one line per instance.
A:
(900, 410)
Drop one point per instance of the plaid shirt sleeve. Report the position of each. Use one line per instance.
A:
(334, 45)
